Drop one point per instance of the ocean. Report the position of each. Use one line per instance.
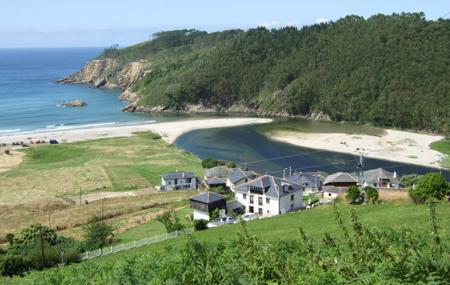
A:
(30, 98)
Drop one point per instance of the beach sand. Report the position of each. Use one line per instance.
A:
(168, 130)
(399, 146)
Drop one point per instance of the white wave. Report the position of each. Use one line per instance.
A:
(9, 131)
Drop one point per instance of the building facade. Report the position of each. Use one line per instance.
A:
(270, 196)
(179, 181)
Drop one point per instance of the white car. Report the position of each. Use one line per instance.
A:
(249, 217)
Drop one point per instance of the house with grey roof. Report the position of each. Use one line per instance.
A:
(238, 176)
(341, 179)
(218, 171)
(381, 178)
(179, 180)
(312, 181)
(269, 196)
(215, 182)
(204, 203)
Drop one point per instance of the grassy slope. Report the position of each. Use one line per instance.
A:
(315, 222)
(443, 146)
(52, 174)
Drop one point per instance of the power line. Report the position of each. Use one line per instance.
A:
(281, 157)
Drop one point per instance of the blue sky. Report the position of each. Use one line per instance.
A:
(52, 23)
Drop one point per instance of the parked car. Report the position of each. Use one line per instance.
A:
(221, 221)
(53, 142)
(249, 217)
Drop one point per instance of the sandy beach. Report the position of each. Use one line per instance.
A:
(168, 130)
(399, 146)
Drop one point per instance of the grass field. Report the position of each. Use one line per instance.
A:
(315, 222)
(444, 147)
(50, 178)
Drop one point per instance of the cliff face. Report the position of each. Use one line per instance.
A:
(107, 73)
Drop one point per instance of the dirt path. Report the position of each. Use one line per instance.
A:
(10, 161)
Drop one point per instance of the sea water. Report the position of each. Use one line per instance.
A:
(30, 98)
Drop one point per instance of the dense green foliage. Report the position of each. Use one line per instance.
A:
(98, 233)
(210, 162)
(430, 186)
(38, 247)
(359, 255)
(170, 221)
(353, 194)
(200, 225)
(371, 194)
(387, 70)
(410, 180)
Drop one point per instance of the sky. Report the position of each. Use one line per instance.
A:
(102, 23)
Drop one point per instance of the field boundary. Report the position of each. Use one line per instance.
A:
(130, 245)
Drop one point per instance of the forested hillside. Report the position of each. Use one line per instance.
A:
(387, 70)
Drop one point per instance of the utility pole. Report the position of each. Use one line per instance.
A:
(49, 222)
(80, 196)
(360, 166)
(102, 209)
(290, 170)
(42, 246)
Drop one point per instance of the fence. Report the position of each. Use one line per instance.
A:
(133, 244)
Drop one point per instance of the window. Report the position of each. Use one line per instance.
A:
(292, 197)
(260, 199)
(244, 196)
(268, 211)
(260, 211)
(251, 199)
(250, 209)
(292, 207)
(329, 194)
(176, 181)
(267, 200)
(188, 180)
(170, 183)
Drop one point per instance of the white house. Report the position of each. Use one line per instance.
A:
(270, 196)
(238, 176)
(179, 180)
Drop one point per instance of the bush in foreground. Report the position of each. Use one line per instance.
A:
(430, 186)
(359, 255)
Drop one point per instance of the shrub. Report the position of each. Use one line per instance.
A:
(214, 214)
(97, 233)
(170, 221)
(211, 162)
(430, 186)
(13, 265)
(30, 235)
(371, 194)
(410, 180)
(10, 238)
(353, 194)
(200, 225)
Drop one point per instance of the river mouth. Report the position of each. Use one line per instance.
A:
(249, 147)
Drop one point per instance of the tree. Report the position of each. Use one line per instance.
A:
(200, 225)
(371, 194)
(211, 162)
(170, 221)
(430, 186)
(231, 164)
(214, 214)
(410, 180)
(353, 194)
(10, 238)
(29, 236)
(98, 233)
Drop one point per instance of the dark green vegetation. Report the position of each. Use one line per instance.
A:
(444, 147)
(430, 186)
(387, 70)
(38, 247)
(382, 243)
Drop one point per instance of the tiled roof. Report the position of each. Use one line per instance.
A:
(271, 186)
(215, 181)
(340, 177)
(238, 174)
(178, 175)
(306, 179)
(208, 197)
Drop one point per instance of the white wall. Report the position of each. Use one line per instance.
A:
(274, 206)
(199, 215)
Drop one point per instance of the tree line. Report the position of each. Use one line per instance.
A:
(388, 70)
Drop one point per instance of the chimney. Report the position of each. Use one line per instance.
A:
(395, 174)
(183, 174)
